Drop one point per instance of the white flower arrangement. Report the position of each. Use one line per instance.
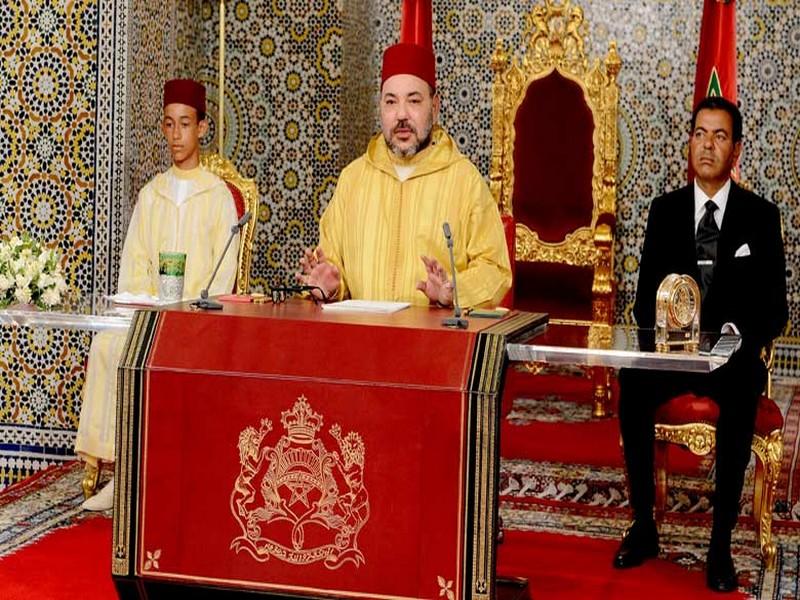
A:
(30, 273)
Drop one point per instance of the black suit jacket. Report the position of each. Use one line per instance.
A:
(748, 291)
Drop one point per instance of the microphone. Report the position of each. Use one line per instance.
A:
(204, 303)
(456, 321)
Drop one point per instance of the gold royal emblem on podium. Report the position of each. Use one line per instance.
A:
(678, 314)
(297, 501)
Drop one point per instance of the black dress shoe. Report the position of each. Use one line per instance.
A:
(720, 572)
(639, 544)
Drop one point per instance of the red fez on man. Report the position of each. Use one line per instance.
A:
(186, 91)
(414, 54)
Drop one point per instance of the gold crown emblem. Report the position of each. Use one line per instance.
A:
(303, 485)
(301, 423)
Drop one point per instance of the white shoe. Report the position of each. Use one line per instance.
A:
(103, 500)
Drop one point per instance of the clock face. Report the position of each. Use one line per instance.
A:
(677, 314)
(683, 304)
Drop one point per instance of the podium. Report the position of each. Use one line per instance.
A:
(282, 451)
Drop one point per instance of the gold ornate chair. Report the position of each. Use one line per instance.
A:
(245, 195)
(690, 421)
(553, 171)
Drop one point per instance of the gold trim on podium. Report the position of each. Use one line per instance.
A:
(489, 360)
(129, 384)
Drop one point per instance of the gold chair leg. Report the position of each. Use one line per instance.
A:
(769, 549)
(769, 452)
(89, 483)
(601, 386)
(758, 495)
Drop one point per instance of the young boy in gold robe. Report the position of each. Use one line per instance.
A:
(186, 209)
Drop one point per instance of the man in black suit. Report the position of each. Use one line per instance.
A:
(729, 240)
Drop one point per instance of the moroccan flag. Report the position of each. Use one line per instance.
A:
(716, 55)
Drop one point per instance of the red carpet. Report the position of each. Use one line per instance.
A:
(564, 567)
(72, 563)
(592, 442)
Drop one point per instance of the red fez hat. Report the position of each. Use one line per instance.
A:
(414, 54)
(185, 91)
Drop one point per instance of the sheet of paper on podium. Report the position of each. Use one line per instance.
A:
(137, 299)
(365, 306)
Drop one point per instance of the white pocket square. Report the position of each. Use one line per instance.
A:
(744, 250)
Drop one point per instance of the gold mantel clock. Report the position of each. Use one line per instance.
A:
(678, 314)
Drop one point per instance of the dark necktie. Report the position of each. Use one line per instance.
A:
(706, 240)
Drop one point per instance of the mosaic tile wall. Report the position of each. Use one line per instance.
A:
(294, 110)
(48, 61)
(60, 166)
(282, 115)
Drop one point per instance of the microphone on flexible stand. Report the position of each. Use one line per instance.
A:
(456, 321)
(204, 302)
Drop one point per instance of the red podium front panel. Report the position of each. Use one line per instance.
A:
(281, 449)
(246, 491)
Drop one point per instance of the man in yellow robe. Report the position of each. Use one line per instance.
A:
(186, 209)
(381, 235)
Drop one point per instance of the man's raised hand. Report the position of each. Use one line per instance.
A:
(316, 270)
(436, 285)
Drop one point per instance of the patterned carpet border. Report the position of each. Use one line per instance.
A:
(592, 486)
(32, 508)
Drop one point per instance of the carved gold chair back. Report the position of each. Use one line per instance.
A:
(245, 196)
(553, 169)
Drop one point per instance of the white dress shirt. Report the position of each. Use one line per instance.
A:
(720, 199)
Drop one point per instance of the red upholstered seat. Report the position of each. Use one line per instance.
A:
(563, 291)
(688, 408)
(508, 229)
(768, 417)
